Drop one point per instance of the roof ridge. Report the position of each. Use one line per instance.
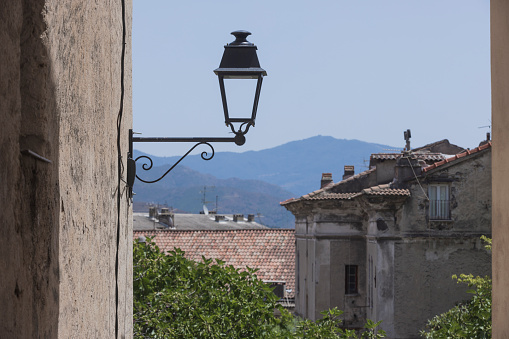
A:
(240, 230)
(458, 156)
(383, 189)
(353, 177)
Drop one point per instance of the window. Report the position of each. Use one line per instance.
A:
(439, 208)
(351, 279)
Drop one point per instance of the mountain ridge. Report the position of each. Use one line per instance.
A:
(295, 166)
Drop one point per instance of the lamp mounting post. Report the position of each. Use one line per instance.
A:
(239, 61)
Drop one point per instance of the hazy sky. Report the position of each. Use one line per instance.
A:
(356, 69)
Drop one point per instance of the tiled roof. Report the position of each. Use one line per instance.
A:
(429, 156)
(322, 194)
(443, 142)
(270, 250)
(457, 156)
(415, 155)
(357, 176)
(385, 156)
(385, 190)
(331, 196)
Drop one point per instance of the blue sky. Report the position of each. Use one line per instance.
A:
(356, 69)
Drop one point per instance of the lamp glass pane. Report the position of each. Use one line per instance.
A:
(240, 95)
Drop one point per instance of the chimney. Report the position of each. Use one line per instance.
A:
(152, 212)
(166, 218)
(488, 139)
(250, 217)
(220, 218)
(326, 179)
(238, 217)
(406, 168)
(165, 210)
(349, 172)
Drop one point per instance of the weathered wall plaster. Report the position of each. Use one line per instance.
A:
(60, 98)
(500, 123)
(470, 195)
(428, 289)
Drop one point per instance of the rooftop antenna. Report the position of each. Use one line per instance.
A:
(407, 136)
(205, 210)
(204, 199)
(487, 126)
(365, 163)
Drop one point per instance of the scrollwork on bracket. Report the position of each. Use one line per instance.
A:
(204, 155)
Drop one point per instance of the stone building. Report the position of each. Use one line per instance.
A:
(65, 111)
(383, 244)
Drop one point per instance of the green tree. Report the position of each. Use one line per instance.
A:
(178, 298)
(466, 320)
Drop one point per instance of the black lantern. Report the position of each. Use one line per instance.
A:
(240, 62)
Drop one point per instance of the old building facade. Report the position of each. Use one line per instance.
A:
(383, 244)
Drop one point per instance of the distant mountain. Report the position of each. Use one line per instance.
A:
(183, 189)
(295, 166)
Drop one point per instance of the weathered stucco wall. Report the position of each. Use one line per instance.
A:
(380, 280)
(29, 291)
(347, 252)
(500, 123)
(324, 245)
(470, 195)
(427, 289)
(60, 98)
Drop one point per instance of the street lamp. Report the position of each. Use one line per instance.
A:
(239, 62)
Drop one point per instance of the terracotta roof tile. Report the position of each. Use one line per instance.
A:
(385, 156)
(272, 251)
(324, 196)
(457, 156)
(416, 155)
(357, 176)
(385, 190)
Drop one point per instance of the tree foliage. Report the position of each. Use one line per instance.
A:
(466, 320)
(178, 298)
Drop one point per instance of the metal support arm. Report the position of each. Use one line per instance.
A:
(239, 139)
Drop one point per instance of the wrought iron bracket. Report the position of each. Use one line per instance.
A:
(238, 139)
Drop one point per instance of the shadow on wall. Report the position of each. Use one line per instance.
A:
(30, 207)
